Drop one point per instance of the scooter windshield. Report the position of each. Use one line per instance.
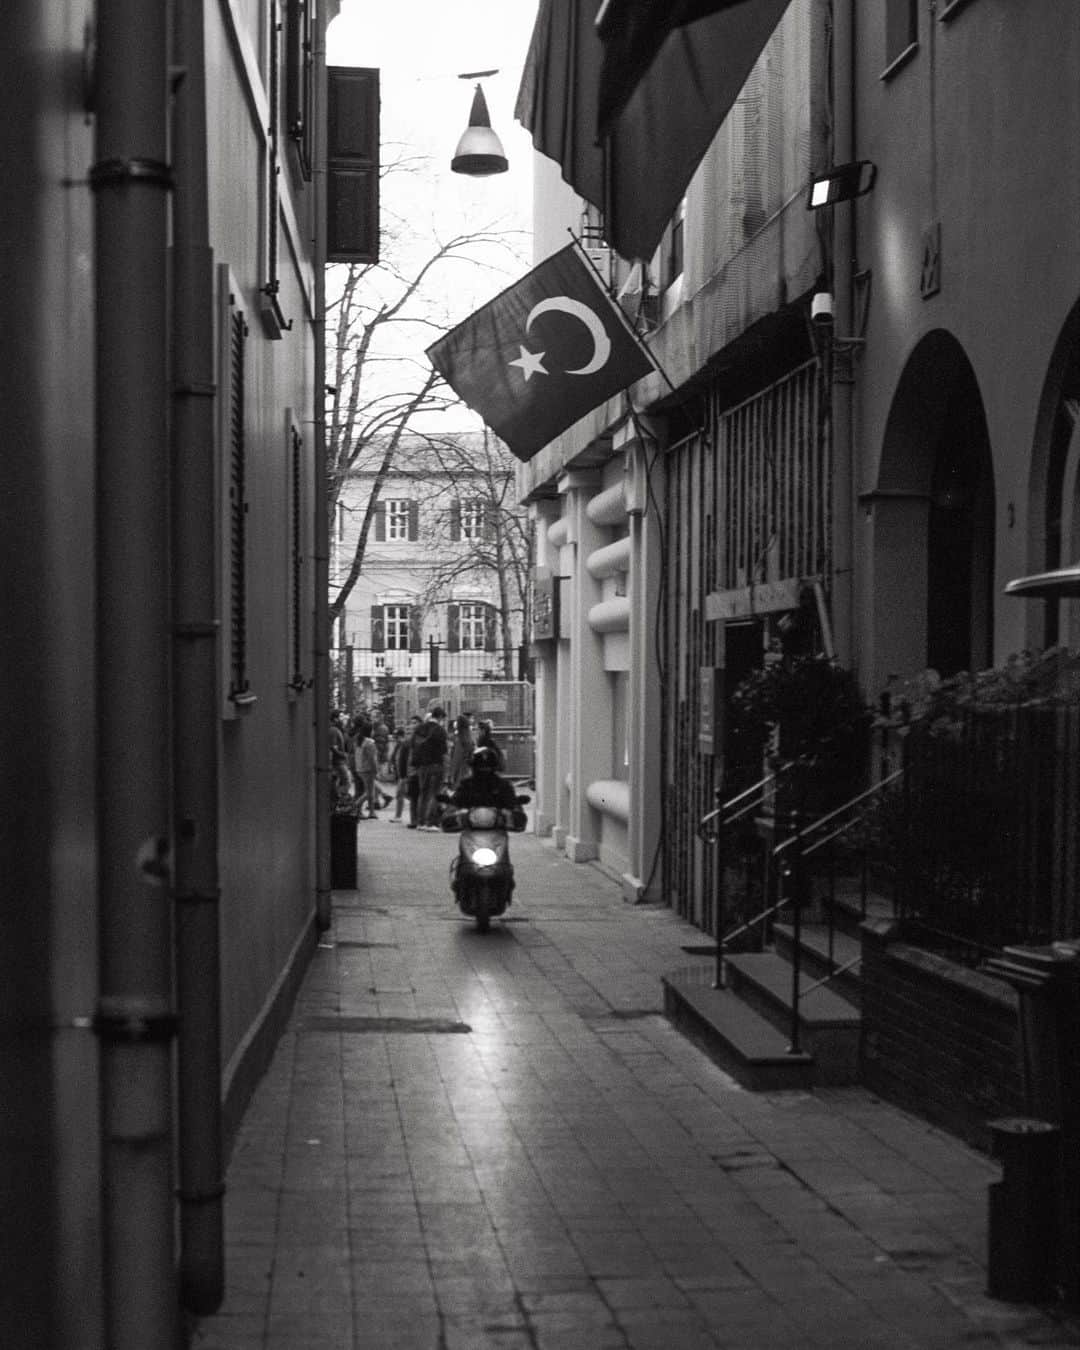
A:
(483, 817)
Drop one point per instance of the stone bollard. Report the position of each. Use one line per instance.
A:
(1023, 1226)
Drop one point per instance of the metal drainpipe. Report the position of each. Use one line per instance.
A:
(135, 1020)
(195, 692)
(843, 389)
(321, 570)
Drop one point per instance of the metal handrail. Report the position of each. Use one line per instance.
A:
(814, 825)
(840, 970)
(746, 801)
(749, 923)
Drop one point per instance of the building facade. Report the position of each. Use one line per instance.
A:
(162, 368)
(445, 564)
(870, 484)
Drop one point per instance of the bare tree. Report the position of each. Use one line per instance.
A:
(478, 471)
(378, 327)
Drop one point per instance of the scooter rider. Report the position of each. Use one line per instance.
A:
(486, 786)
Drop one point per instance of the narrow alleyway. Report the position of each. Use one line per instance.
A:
(471, 1141)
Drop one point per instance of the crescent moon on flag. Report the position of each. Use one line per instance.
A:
(568, 305)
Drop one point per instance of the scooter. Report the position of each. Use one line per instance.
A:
(481, 875)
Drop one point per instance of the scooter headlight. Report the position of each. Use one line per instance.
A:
(485, 857)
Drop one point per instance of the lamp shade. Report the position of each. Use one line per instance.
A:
(479, 152)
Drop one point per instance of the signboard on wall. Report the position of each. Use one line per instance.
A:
(711, 710)
(545, 606)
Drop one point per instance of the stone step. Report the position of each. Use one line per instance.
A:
(732, 1034)
(829, 1025)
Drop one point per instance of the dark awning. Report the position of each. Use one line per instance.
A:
(632, 33)
(681, 82)
(1061, 584)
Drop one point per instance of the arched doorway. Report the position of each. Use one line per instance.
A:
(1055, 513)
(934, 519)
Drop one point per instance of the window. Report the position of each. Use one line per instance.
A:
(472, 520)
(470, 627)
(299, 83)
(273, 318)
(397, 519)
(469, 519)
(901, 32)
(397, 627)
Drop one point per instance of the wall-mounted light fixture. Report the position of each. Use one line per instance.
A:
(840, 183)
(479, 153)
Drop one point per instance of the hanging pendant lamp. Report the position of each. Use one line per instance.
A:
(479, 152)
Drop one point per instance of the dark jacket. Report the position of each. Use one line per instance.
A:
(428, 744)
(486, 789)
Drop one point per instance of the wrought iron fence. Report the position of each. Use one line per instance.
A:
(985, 828)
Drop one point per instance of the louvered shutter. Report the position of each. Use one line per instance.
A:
(296, 558)
(453, 628)
(414, 521)
(378, 628)
(455, 521)
(238, 508)
(352, 178)
(489, 521)
(416, 623)
(489, 628)
(380, 522)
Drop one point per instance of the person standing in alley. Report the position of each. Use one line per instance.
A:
(428, 761)
(367, 765)
(486, 736)
(461, 751)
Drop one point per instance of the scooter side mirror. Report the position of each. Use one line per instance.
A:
(522, 799)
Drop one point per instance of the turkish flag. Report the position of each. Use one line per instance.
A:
(542, 354)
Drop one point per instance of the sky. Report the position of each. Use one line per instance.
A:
(420, 48)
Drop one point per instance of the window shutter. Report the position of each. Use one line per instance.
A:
(416, 623)
(296, 558)
(238, 509)
(489, 628)
(453, 628)
(378, 629)
(414, 521)
(380, 522)
(489, 521)
(352, 179)
(455, 521)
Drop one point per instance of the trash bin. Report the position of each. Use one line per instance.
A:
(343, 851)
(1047, 980)
(1023, 1216)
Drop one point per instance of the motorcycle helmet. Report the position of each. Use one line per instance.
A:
(484, 760)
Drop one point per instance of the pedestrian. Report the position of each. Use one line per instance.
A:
(337, 731)
(381, 735)
(408, 787)
(461, 751)
(486, 736)
(365, 758)
(428, 762)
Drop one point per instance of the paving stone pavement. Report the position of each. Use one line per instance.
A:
(468, 1141)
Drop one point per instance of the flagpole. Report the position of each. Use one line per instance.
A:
(621, 313)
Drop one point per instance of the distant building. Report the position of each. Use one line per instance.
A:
(440, 571)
